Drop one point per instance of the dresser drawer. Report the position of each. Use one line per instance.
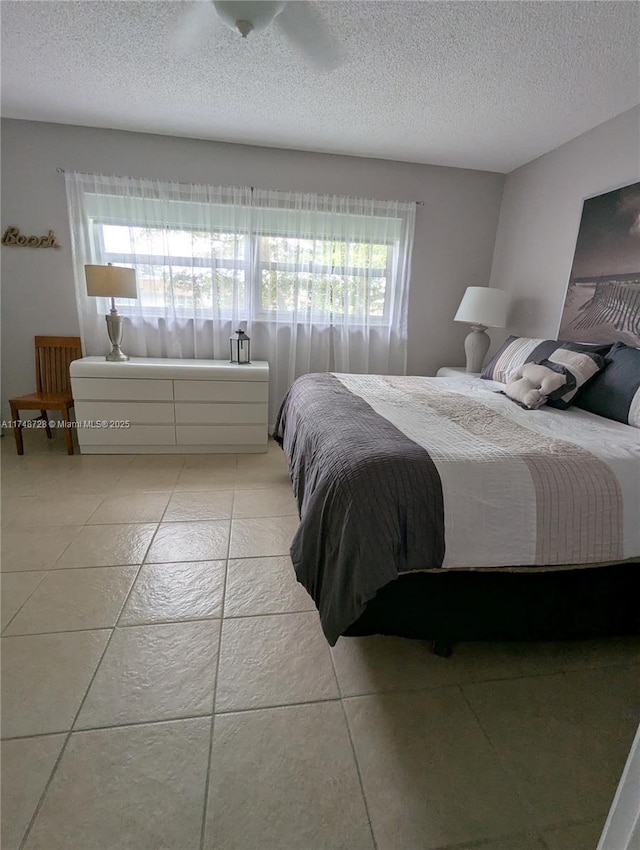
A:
(140, 412)
(221, 435)
(245, 391)
(122, 389)
(207, 413)
(136, 435)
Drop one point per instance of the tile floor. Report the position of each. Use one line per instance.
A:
(166, 685)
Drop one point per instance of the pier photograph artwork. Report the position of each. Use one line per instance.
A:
(603, 296)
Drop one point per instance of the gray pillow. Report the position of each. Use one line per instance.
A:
(615, 392)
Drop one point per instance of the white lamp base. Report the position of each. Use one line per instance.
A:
(476, 346)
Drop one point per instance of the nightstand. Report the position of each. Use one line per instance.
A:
(455, 372)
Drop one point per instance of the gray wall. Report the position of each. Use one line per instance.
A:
(454, 239)
(540, 216)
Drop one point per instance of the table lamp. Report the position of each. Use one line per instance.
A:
(481, 307)
(112, 282)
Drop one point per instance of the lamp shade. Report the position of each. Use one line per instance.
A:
(482, 305)
(111, 282)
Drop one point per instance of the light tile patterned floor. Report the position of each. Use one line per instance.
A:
(166, 685)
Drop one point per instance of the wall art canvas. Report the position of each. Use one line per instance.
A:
(603, 296)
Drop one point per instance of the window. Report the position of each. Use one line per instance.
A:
(321, 280)
(268, 266)
(190, 269)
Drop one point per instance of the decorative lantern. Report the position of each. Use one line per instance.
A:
(240, 345)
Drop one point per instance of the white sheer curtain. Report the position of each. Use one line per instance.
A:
(334, 283)
(322, 281)
(190, 247)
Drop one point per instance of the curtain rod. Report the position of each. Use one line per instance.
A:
(123, 177)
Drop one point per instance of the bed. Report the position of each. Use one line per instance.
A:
(437, 508)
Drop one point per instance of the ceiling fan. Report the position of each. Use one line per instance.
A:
(298, 20)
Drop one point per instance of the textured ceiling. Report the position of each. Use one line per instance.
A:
(487, 85)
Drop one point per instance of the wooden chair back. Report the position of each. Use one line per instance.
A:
(53, 356)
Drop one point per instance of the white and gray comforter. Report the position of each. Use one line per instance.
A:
(402, 474)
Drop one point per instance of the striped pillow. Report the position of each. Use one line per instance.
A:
(582, 360)
(615, 392)
(514, 352)
(583, 365)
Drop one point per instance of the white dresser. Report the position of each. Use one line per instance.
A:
(171, 406)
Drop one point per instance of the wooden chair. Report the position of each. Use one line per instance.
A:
(53, 356)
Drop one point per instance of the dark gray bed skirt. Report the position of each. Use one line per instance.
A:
(451, 606)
